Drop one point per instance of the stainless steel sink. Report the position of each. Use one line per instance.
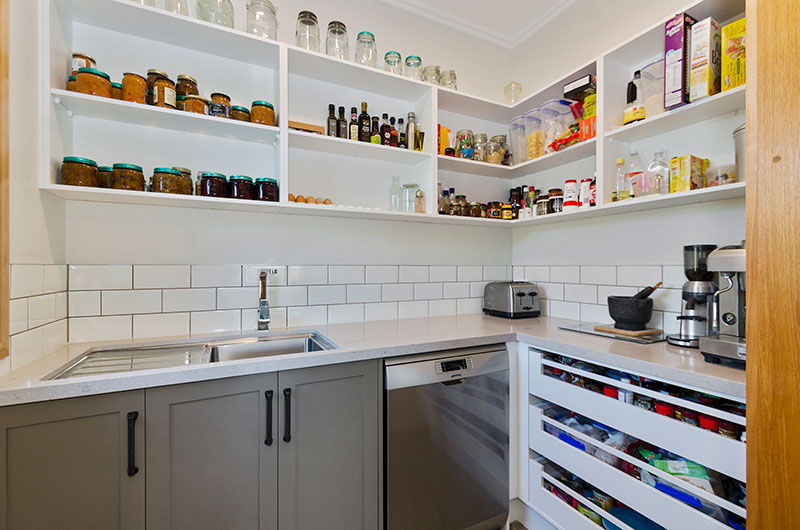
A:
(129, 359)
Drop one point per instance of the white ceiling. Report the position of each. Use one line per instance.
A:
(507, 23)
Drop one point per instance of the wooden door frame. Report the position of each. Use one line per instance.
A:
(4, 178)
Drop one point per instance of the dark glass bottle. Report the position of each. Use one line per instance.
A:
(375, 137)
(394, 139)
(386, 131)
(401, 134)
(342, 124)
(365, 131)
(353, 132)
(333, 123)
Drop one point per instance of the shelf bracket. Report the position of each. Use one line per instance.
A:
(57, 101)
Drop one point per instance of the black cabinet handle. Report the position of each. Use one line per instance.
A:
(287, 429)
(132, 417)
(268, 439)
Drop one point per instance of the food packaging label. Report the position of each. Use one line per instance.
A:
(676, 60)
(632, 114)
(734, 61)
(588, 128)
(705, 59)
(687, 173)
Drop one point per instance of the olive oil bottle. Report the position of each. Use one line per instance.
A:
(353, 124)
(365, 129)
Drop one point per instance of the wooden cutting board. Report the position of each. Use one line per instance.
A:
(609, 328)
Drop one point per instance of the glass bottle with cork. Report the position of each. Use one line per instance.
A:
(333, 123)
(364, 124)
(341, 124)
(353, 129)
(393, 131)
(386, 130)
(375, 135)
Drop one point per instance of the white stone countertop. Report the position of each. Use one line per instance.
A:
(390, 338)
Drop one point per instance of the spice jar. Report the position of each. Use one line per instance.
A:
(104, 174)
(543, 205)
(127, 177)
(665, 409)
(94, 82)
(507, 213)
(709, 423)
(263, 113)
(72, 81)
(493, 153)
(81, 60)
(170, 180)
(556, 200)
(134, 88)
(195, 104)
(164, 94)
(213, 185)
(186, 86)
(505, 150)
(479, 152)
(686, 415)
(116, 90)
(240, 187)
(152, 75)
(76, 171)
(475, 209)
(729, 429)
(644, 402)
(495, 210)
(265, 189)
(240, 113)
(465, 143)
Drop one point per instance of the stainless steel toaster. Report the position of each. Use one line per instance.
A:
(511, 299)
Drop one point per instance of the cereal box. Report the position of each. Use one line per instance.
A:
(676, 60)
(687, 173)
(705, 59)
(733, 55)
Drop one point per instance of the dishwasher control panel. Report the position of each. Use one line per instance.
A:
(453, 365)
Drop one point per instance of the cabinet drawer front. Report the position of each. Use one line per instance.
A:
(725, 455)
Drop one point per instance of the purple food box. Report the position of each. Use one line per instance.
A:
(676, 60)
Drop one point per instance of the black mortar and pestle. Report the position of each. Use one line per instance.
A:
(632, 313)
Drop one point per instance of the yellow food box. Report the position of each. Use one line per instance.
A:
(687, 173)
(734, 61)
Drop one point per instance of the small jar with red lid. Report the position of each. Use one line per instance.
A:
(686, 415)
(610, 391)
(729, 429)
(240, 187)
(665, 409)
(265, 189)
(213, 185)
(709, 423)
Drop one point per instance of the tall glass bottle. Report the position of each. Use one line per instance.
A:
(401, 133)
(635, 175)
(658, 173)
(395, 195)
(216, 11)
(364, 125)
(393, 131)
(386, 131)
(440, 198)
(622, 185)
(342, 124)
(411, 130)
(333, 123)
(353, 130)
(375, 135)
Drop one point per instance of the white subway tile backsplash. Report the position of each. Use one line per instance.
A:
(470, 273)
(417, 309)
(382, 274)
(131, 302)
(18, 315)
(251, 275)
(476, 289)
(565, 274)
(673, 276)
(181, 300)
(551, 291)
(55, 278)
(61, 305)
(381, 311)
(595, 313)
(656, 320)
(544, 306)
(469, 306)
(237, 298)
(456, 290)
(294, 295)
(308, 275)
(667, 300)
(41, 310)
(495, 273)
(394, 292)
(88, 329)
(55, 335)
(537, 273)
(441, 308)
(216, 276)
(363, 293)
(580, 293)
(638, 275)
(215, 321)
(443, 273)
(327, 294)
(84, 303)
(5, 365)
(604, 291)
(413, 273)
(559, 309)
(250, 319)
(599, 275)
(26, 280)
(671, 323)
(307, 316)
(344, 274)
(161, 276)
(428, 291)
(26, 347)
(100, 277)
(160, 325)
(277, 318)
(343, 314)
(518, 273)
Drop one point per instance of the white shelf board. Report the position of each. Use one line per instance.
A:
(315, 65)
(650, 202)
(343, 147)
(158, 25)
(474, 106)
(163, 118)
(473, 167)
(706, 109)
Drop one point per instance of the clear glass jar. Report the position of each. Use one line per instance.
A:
(419, 202)
(465, 144)
(393, 62)
(216, 11)
(262, 19)
(479, 147)
(512, 93)
(179, 7)
(413, 68)
(366, 52)
(431, 74)
(494, 153)
(151, 3)
(337, 44)
(502, 140)
(306, 33)
(409, 197)
(448, 79)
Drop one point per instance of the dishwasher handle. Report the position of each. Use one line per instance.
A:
(429, 370)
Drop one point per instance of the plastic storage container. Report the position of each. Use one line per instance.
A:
(653, 88)
(534, 135)
(720, 175)
(556, 118)
(519, 149)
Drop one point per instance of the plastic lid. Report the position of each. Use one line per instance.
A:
(392, 53)
(79, 160)
(170, 170)
(116, 85)
(264, 103)
(366, 34)
(95, 72)
(72, 78)
(220, 94)
(132, 73)
(158, 72)
(213, 175)
(620, 161)
(187, 78)
(242, 177)
(181, 97)
(707, 422)
(446, 192)
(105, 168)
(128, 166)
(240, 108)
(81, 54)
(264, 179)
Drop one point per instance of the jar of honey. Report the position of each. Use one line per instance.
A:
(152, 75)
(76, 171)
(186, 86)
(196, 104)
(116, 90)
(164, 94)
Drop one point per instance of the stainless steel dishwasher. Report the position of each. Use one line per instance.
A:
(447, 454)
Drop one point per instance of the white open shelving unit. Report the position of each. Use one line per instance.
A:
(355, 176)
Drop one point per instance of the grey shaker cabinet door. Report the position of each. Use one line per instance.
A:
(66, 464)
(210, 466)
(328, 457)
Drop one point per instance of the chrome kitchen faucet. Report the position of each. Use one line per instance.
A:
(263, 300)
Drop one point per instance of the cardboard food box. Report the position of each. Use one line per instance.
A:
(588, 128)
(676, 60)
(687, 173)
(705, 59)
(734, 71)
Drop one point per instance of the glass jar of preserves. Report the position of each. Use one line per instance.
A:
(216, 11)
(431, 74)
(366, 52)
(393, 62)
(213, 185)
(180, 102)
(460, 206)
(81, 60)
(240, 113)
(170, 180)
(152, 75)
(77, 171)
(134, 88)
(104, 174)
(479, 152)
(507, 212)
(475, 209)
(493, 153)
(413, 67)
(220, 105)
(543, 205)
(196, 104)
(116, 90)
(72, 82)
(306, 33)
(187, 174)
(495, 211)
(505, 149)
(484, 210)
(556, 200)
(94, 82)
(265, 189)
(186, 86)
(465, 143)
(240, 187)
(164, 94)
(127, 177)
(262, 112)
(262, 19)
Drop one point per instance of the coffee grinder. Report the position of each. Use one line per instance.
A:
(696, 318)
(727, 342)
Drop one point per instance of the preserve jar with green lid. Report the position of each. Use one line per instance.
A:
(77, 171)
(170, 180)
(94, 82)
(127, 177)
(265, 189)
(240, 113)
(104, 172)
(240, 187)
(72, 82)
(213, 184)
(262, 112)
